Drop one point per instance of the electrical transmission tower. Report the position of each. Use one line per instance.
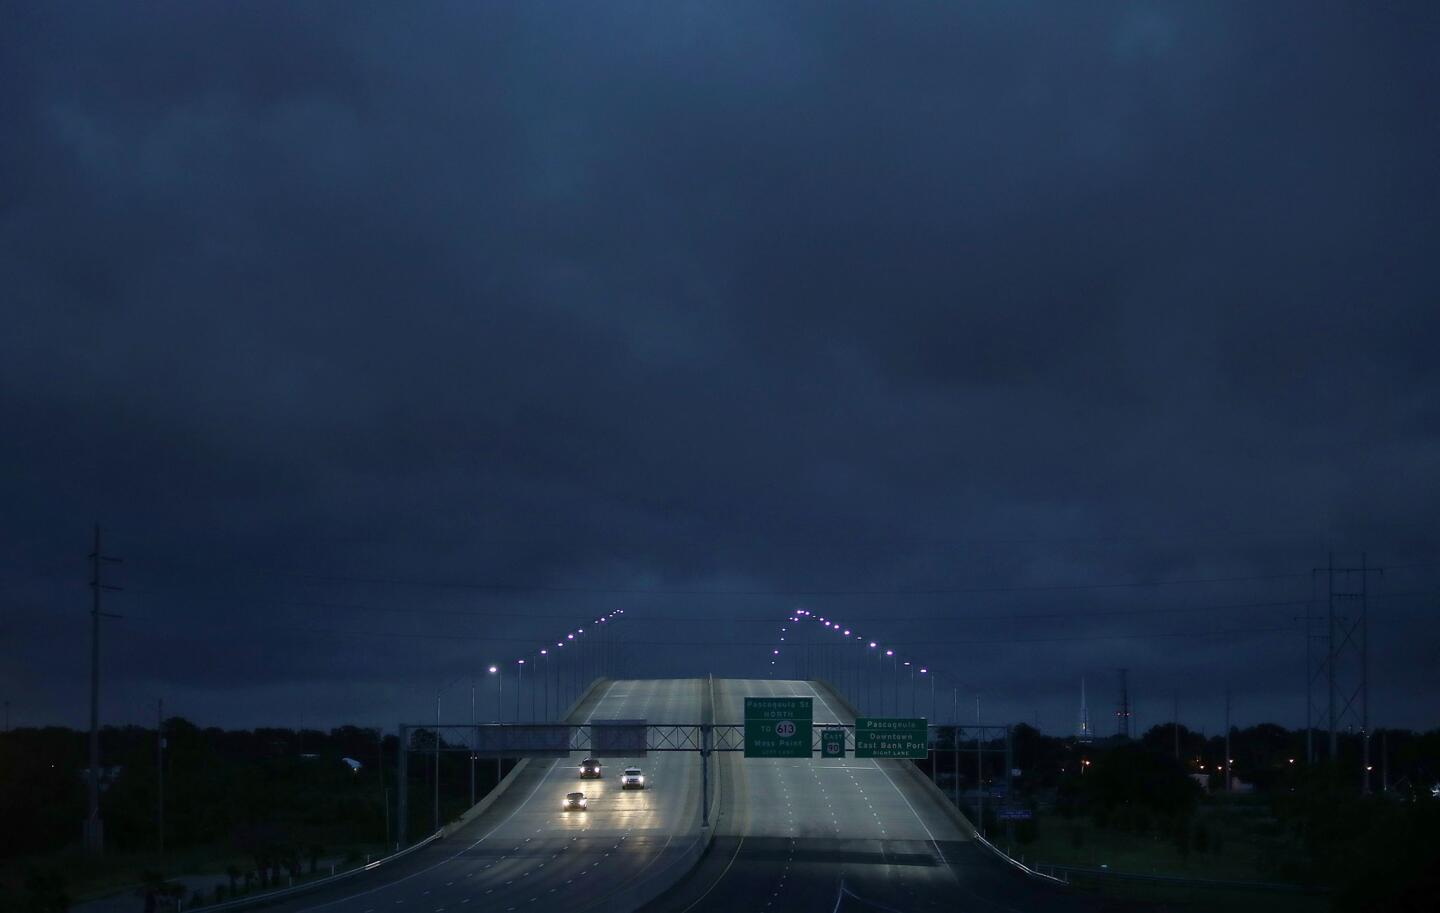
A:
(94, 830)
(1086, 733)
(1337, 657)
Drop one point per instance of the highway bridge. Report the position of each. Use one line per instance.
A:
(786, 834)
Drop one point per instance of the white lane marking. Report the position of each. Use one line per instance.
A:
(918, 819)
(461, 852)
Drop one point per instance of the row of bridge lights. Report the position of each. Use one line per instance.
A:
(545, 651)
(800, 614)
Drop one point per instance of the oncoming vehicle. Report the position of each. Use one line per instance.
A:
(590, 769)
(575, 802)
(632, 779)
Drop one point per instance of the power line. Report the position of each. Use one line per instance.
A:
(739, 619)
(417, 635)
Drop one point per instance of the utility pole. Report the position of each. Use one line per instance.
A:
(94, 829)
(1175, 724)
(160, 773)
(1122, 713)
(1384, 760)
(1227, 739)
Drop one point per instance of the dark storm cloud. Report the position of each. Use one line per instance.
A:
(756, 298)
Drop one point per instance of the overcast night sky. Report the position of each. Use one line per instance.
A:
(1037, 339)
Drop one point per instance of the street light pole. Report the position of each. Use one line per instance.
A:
(519, 680)
(870, 684)
(499, 713)
(472, 743)
(912, 687)
(895, 696)
(437, 759)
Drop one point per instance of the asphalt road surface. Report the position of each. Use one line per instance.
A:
(526, 854)
(841, 834)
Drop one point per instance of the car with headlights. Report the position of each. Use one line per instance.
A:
(575, 802)
(590, 769)
(632, 778)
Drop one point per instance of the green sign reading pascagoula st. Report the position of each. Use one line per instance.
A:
(891, 737)
(778, 727)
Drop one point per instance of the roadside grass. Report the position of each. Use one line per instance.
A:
(1159, 898)
(1229, 841)
(88, 878)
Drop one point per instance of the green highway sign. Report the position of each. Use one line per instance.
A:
(882, 737)
(832, 743)
(778, 727)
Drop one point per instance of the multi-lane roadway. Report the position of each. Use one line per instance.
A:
(842, 834)
(794, 835)
(525, 853)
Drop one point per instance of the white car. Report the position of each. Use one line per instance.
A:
(632, 778)
(575, 802)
